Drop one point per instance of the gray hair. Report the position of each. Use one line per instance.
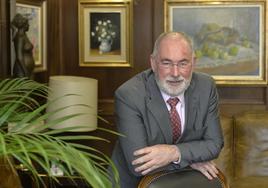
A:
(182, 35)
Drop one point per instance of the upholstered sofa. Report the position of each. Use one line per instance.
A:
(244, 159)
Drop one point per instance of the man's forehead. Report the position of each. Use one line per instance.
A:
(175, 39)
(170, 45)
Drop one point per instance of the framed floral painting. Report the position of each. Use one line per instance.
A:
(229, 37)
(105, 33)
(35, 12)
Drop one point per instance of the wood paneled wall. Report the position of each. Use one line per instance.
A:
(148, 24)
(4, 38)
(62, 52)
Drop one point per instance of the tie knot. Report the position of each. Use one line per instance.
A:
(173, 101)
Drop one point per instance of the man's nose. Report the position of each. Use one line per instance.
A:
(175, 70)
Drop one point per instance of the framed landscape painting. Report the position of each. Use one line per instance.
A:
(105, 33)
(229, 37)
(35, 12)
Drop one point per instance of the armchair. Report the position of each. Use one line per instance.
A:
(183, 178)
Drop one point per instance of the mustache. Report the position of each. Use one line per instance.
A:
(175, 79)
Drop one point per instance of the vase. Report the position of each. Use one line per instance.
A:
(105, 46)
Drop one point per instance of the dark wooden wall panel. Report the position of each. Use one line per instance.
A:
(54, 35)
(243, 95)
(4, 38)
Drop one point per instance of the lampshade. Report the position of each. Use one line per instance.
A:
(79, 90)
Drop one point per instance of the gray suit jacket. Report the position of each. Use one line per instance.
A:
(142, 116)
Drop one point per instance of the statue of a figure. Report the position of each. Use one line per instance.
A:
(24, 62)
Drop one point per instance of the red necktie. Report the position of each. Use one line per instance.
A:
(174, 118)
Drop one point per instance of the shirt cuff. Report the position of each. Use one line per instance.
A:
(179, 160)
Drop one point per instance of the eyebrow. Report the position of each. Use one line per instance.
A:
(182, 60)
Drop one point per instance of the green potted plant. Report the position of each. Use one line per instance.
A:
(19, 103)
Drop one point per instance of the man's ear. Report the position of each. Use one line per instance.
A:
(152, 62)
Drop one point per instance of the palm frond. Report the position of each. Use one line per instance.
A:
(25, 135)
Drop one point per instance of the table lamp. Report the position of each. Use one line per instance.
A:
(71, 92)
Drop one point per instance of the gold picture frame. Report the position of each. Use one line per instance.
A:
(36, 12)
(105, 33)
(229, 37)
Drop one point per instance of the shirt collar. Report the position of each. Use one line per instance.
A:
(166, 97)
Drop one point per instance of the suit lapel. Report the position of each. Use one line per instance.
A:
(156, 105)
(191, 106)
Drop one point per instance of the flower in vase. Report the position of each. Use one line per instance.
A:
(104, 30)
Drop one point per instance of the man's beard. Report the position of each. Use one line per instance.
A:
(172, 90)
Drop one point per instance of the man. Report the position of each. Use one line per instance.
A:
(154, 140)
